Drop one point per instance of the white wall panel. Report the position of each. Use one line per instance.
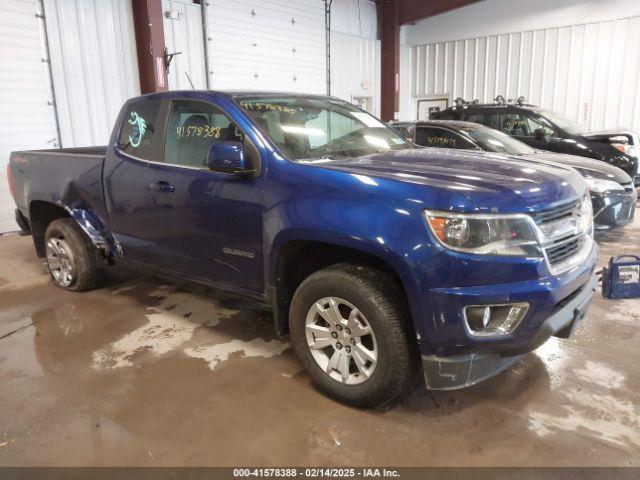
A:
(183, 34)
(269, 45)
(355, 68)
(94, 64)
(26, 115)
(495, 17)
(588, 71)
(355, 17)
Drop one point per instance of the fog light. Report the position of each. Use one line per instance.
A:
(494, 320)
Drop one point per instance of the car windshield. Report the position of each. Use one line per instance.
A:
(321, 128)
(496, 141)
(563, 122)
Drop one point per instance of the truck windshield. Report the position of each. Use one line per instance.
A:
(496, 141)
(320, 128)
(563, 122)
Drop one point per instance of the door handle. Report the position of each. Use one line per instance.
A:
(161, 186)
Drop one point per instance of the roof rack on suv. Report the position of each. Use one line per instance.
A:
(461, 101)
(499, 100)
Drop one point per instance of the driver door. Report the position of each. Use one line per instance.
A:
(215, 218)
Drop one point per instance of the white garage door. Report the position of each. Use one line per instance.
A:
(26, 116)
(183, 37)
(266, 45)
(94, 64)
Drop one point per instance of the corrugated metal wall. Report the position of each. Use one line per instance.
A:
(94, 64)
(355, 68)
(26, 115)
(274, 45)
(587, 71)
(183, 35)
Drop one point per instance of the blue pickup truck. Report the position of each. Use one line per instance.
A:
(377, 258)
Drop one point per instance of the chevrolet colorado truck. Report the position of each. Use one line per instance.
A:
(379, 259)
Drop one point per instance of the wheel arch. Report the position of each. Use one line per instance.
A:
(296, 259)
(42, 213)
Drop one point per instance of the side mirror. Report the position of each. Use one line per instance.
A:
(226, 157)
(539, 134)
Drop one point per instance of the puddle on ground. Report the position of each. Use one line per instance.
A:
(214, 354)
(600, 409)
(172, 324)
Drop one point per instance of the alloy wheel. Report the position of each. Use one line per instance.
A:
(61, 262)
(341, 340)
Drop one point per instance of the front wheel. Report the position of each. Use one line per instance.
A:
(347, 327)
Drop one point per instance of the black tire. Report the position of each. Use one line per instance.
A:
(379, 299)
(86, 271)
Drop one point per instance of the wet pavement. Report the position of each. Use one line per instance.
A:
(141, 372)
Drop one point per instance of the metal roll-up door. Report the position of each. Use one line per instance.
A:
(26, 110)
(266, 45)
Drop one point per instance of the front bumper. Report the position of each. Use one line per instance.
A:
(453, 372)
(613, 209)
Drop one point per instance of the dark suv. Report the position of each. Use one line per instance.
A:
(547, 130)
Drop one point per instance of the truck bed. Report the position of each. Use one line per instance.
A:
(77, 151)
(69, 177)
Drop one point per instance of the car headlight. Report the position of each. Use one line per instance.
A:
(485, 234)
(586, 213)
(598, 185)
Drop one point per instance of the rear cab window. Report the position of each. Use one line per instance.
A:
(141, 131)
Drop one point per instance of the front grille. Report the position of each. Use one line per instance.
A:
(564, 248)
(625, 212)
(555, 213)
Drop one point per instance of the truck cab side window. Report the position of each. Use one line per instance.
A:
(140, 132)
(192, 128)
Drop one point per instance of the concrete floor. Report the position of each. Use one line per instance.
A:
(144, 373)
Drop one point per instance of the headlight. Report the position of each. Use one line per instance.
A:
(586, 212)
(485, 234)
(597, 185)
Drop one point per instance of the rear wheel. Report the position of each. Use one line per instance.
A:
(71, 258)
(347, 327)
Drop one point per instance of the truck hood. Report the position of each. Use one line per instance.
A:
(494, 182)
(588, 167)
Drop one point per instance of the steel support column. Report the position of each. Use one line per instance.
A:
(392, 14)
(389, 22)
(147, 21)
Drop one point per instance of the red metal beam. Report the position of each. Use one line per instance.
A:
(147, 23)
(412, 10)
(392, 14)
(389, 22)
